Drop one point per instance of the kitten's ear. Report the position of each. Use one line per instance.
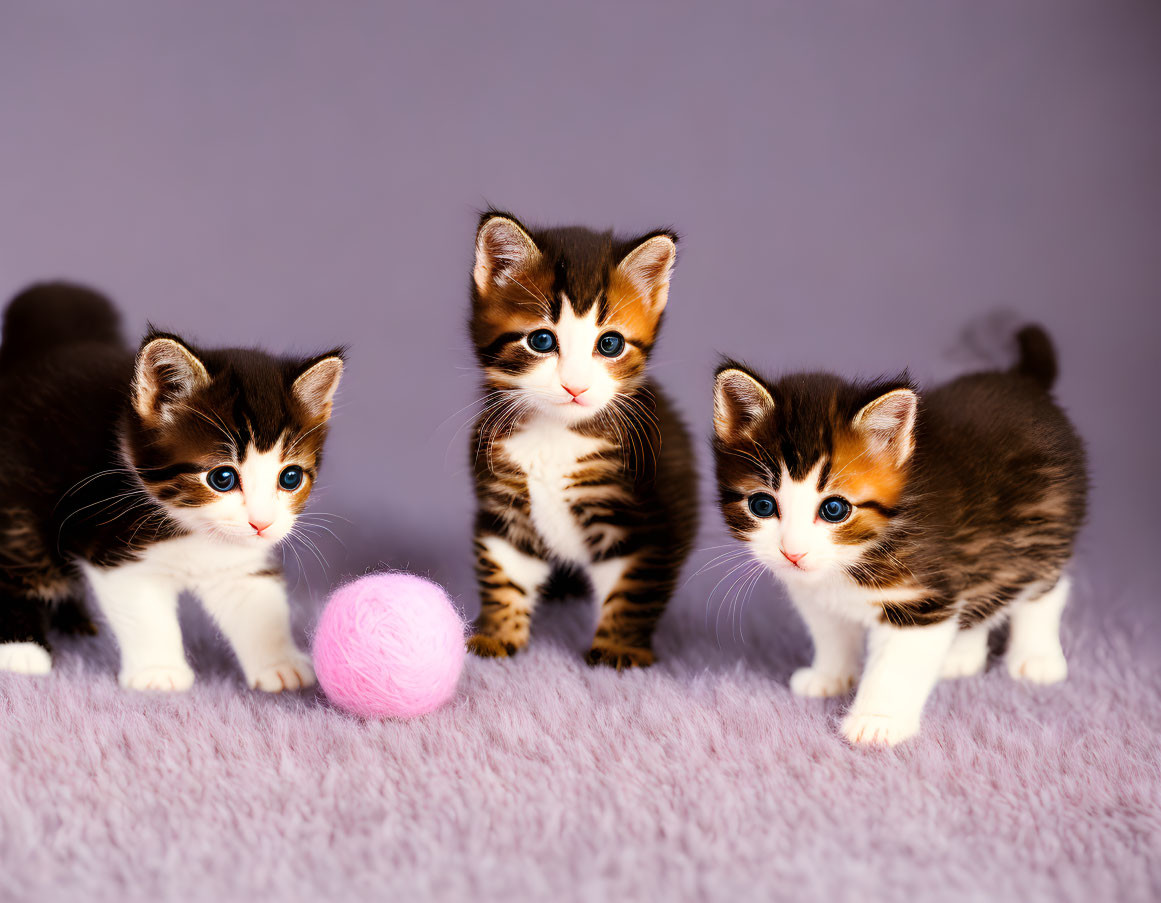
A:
(315, 387)
(502, 246)
(740, 401)
(166, 372)
(888, 424)
(648, 266)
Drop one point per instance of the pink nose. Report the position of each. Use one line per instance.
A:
(793, 559)
(575, 392)
(259, 525)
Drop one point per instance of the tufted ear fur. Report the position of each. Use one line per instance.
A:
(740, 401)
(166, 372)
(315, 387)
(888, 425)
(503, 247)
(648, 267)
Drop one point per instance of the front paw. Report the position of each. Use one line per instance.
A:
(292, 673)
(489, 647)
(814, 683)
(1038, 669)
(878, 730)
(25, 658)
(619, 657)
(166, 678)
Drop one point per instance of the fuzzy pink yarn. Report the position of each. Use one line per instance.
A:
(389, 645)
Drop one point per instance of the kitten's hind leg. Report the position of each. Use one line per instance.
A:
(509, 581)
(968, 654)
(838, 646)
(23, 646)
(903, 666)
(255, 617)
(1034, 652)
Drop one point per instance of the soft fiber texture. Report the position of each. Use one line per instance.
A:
(389, 646)
(702, 778)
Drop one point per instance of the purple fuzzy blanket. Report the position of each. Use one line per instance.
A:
(702, 778)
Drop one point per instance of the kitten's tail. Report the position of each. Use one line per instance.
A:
(1037, 356)
(50, 314)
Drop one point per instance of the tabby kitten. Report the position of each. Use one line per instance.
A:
(147, 475)
(581, 464)
(921, 522)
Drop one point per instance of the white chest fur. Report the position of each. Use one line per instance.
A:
(549, 454)
(190, 562)
(839, 595)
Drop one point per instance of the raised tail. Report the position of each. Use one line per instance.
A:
(1037, 356)
(51, 314)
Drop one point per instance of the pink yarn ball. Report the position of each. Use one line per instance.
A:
(389, 645)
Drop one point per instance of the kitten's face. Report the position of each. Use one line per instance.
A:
(810, 469)
(229, 442)
(563, 321)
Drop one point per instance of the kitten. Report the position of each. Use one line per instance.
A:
(920, 521)
(147, 475)
(580, 461)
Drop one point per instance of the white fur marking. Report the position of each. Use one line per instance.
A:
(24, 658)
(968, 655)
(139, 601)
(903, 665)
(605, 575)
(1034, 651)
(547, 453)
(525, 571)
(838, 646)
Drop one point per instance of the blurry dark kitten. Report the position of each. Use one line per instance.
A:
(918, 521)
(175, 469)
(581, 464)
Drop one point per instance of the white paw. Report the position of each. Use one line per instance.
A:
(292, 673)
(963, 664)
(878, 730)
(24, 658)
(167, 678)
(809, 682)
(1039, 669)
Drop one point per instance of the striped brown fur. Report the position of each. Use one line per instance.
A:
(622, 510)
(987, 507)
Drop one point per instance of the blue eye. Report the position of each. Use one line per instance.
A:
(834, 510)
(611, 344)
(290, 478)
(542, 341)
(762, 504)
(222, 479)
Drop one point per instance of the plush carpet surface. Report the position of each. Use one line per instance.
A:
(702, 778)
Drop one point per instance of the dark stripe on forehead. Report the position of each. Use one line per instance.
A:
(495, 347)
(824, 474)
(884, 510)
(171, 472)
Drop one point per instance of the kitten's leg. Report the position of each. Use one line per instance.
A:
(1034, 651)
(903, 665)
(23, 646)
(509, 582)
(838, 646)
(632, 592)
(254, 614)
(142, 611)
(968, 654)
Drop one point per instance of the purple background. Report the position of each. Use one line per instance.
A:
(853, 182)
